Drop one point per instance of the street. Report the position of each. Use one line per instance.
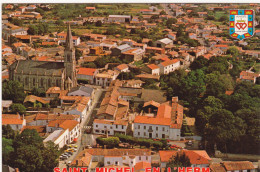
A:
(85, 139)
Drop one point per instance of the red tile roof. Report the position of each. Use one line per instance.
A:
(87, 71)
(239, 165)
(153, 66)
(151, 120)
(195, 158)
(122, 66)
(169, 62)
(142, 165)
(164, 111)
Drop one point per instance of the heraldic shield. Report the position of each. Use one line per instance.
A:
(241, 23)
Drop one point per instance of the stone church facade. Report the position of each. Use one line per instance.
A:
(45, 74)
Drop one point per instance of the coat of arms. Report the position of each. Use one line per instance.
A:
(241, 24)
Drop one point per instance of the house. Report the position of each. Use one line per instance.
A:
(90, 9)
(166, 123)
(257, 32)
(9, 7)
(120, 49)
(9, 29)
(111, 157)
(62, 37)
(169, 66)
(22, 9)
(146, 11)
(142, 166)
(122, 68)
(152, 69)
(110, 127)
(72, 126)
(134, 54)
(31, 7)
(76, 105)
(53, 92)
(119, 18)
(172, 36)
(203, 14)
(192, 36)
(81, 91)
(15, 121)
(6, 105)
(248, 76)
(58, 137)
(31, 100)
(239, 166)
(41, 119)
(133, 83)
(87, 74)
(162, 43)
(198, 158)
(154, 50)
(106, 77)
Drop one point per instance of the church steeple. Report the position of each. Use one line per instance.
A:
(69, 62)
(69, 42)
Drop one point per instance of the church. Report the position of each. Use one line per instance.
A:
(45, 74)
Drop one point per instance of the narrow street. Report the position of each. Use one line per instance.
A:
(85, 139)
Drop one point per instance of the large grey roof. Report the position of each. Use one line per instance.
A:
(82, 88)
(39, 67)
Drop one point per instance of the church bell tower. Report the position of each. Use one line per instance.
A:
(69, 62)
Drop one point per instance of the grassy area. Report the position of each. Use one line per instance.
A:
(219, 14)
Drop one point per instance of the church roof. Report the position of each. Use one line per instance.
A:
(69, 43)
(39, 67)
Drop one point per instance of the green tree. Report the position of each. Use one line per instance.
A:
(12, 39)
(78, 53)
(13, 90)
(8, 132)
(199, 63)
(233, 51)
(214, 85)
(50, 155)
(162, 12)
(33, 30)
(223, 128)
(38, 92)
(7, 149)
(98, 23)
(18, 108)
(180, 160)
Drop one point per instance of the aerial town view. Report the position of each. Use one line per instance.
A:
(130, 87)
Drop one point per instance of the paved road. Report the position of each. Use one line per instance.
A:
(85, 139)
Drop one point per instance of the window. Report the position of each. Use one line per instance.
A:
(42, 82)
(163, 129)
(156, 128)
(138, 126)
(116, 126)
(96, 125)
(146, 158)
(139, 158)
(144, 133)
(97, 131)
(116, 162)
(108, 162)
(144, 127)
(138, 133)
(156, 134)
(122, 127)
(105, 126)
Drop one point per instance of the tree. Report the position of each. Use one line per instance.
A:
(126, 76)
(33, 30)
(59, 23)
(199, 63)
(224, 127)
(78, 53)
(38, 92)
(13, 90)
(162, 12)
(233, 51)
(90, 65)
(180, 160)
(12, 39)
(50, 155)
(18, 108)
(214, 85)
(171, 21)
(7, 149)
(8, 132)
(98, 23)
